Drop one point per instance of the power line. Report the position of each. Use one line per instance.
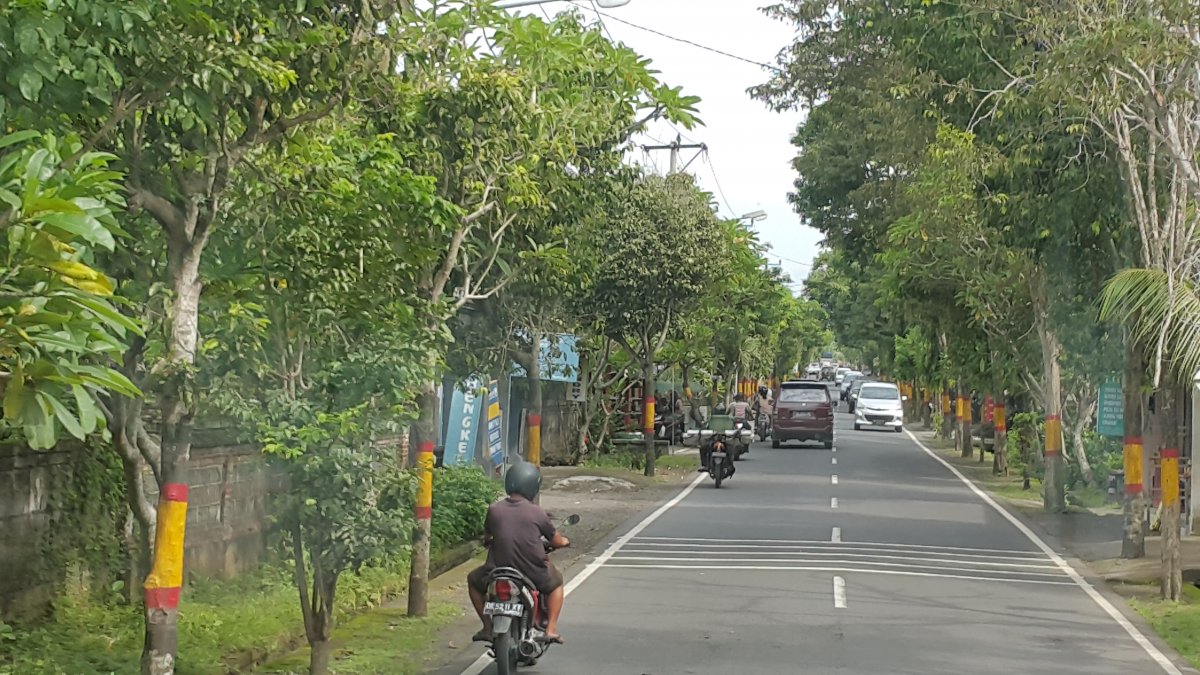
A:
(713, 169)
(678, 39)
(600, 18)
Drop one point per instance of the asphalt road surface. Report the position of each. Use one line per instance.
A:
(871, 558)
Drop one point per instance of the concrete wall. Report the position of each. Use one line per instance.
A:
(227, 516)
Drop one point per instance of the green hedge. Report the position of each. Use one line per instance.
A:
(461, 496)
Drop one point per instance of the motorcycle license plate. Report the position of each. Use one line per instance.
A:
(718, 455)
(503, 609)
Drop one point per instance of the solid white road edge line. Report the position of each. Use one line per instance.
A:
(839, 593)
(1142, 641)
(482, 662)
(837, 535)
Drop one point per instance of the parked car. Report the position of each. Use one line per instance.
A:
(879, 404)
(803, 412)
(814, 369)
(847, 382)
(852, 393)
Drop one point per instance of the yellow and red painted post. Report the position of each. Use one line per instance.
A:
(425, 461)
(648, 416)
(535, 439)
(418, 578)
(165, 579)
(1053, 436)
(1133, 455)
(1170, 478)
(999, 419)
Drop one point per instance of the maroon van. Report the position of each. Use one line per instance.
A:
(803, 412)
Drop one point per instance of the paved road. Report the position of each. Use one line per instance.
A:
(872, 558)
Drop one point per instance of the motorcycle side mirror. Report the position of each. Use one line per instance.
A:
(573, 519)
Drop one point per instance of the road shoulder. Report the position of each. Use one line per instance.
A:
(1079, 538)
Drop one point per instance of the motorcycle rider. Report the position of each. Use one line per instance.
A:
(740, 411)
(763, 405)
(513, 533)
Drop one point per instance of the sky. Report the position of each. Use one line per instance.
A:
(749, 145)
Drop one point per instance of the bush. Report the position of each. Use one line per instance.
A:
(461, 497)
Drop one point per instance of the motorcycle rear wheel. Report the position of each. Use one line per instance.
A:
(506, 654)
(719, 475)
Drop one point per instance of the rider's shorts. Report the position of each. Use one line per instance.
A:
(478, 579)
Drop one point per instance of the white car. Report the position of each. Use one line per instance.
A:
(814, 369)
(837, 377)
(879, 405)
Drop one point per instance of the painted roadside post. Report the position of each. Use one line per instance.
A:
(165, 579)
(418, 590)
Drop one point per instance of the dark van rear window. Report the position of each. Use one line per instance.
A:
(805, 395)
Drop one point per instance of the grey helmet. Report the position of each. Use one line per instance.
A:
(523, 479)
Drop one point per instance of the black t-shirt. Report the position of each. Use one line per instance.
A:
(517, 526)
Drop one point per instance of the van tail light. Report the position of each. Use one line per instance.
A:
(503, 589)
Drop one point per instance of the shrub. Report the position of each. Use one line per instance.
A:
(461, 497)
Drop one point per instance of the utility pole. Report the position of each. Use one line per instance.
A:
(675, 148)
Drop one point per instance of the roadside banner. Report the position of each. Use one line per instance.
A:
(462, 423)
(494, 427)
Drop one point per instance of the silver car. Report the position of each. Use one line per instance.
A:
(879, 405)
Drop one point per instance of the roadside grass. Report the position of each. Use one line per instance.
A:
(1009, 487)
(224, 625)
(1177, 623)
(384, 640)
(636, 461)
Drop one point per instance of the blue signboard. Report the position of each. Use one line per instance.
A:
(559, 359)
(494, 427)
(462, 424)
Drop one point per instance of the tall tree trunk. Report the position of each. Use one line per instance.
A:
(1054, 493)
(693, 409)
(165, 581)
(982, 416)
(965, 419)
(1171, 413)
(648, 385)
(948, 417)
(1085, 409)
(1000, 442)
(1133, 536)
(533, 368)
(426, 432)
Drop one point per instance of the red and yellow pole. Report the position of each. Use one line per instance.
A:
(535, 439)
(1133, 454)
(1170, 478)
(418, 576)
(162, 585)
(425, 460)
(648, 416)
(1053, 435)
(1001, 422)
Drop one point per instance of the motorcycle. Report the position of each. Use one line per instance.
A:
(720, 464)
(764, 426)
(740, 438)
(519, 616)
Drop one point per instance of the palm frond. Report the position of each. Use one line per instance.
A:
(1141, 299)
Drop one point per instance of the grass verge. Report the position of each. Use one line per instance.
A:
(1178, 623)
(224, 626)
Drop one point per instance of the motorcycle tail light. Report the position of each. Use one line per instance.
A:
(503, 589)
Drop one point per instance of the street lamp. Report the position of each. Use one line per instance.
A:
(754, 216)
(606, 4)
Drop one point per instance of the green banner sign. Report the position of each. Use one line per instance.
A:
(1110, 414)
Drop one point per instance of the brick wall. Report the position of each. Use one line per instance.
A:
(227, 515)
